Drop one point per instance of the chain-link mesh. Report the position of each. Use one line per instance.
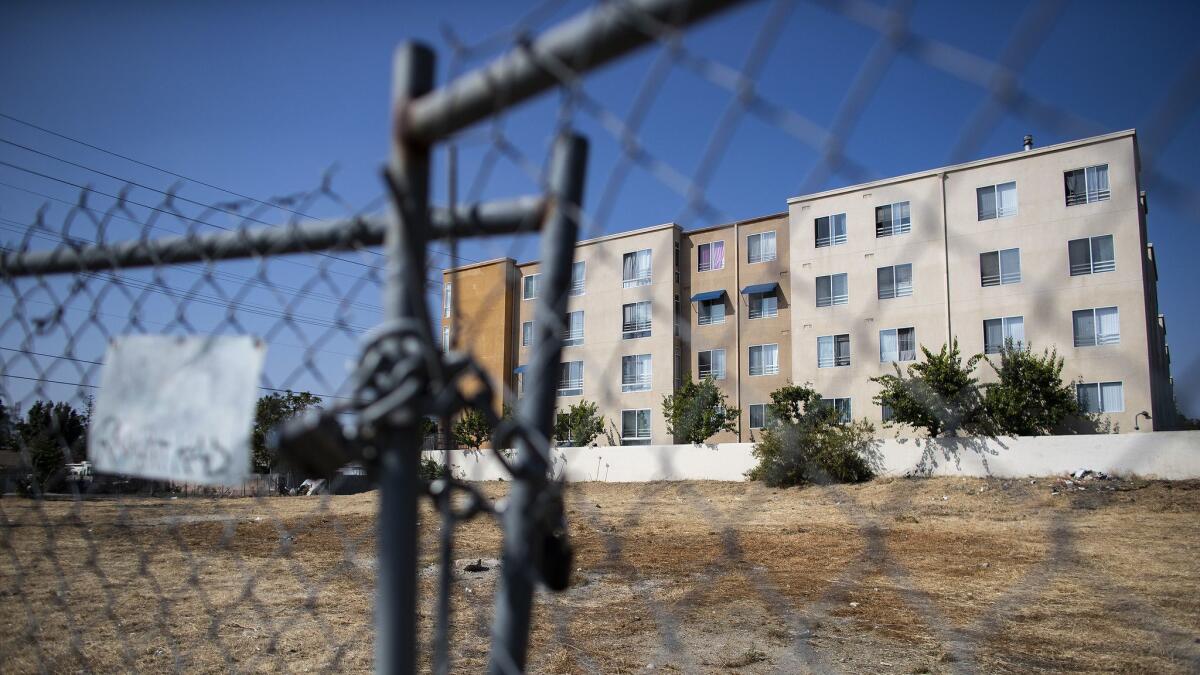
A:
(106, 573)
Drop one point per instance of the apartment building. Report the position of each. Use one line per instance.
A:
(1045, 246)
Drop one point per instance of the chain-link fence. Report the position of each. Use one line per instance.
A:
(104, 572)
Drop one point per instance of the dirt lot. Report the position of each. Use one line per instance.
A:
(904, 575)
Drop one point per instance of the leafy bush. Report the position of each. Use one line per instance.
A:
(471, 430)
(1029, 398)
(579, 424)
(269, 412)
(430, 469)
(54, 434)
(698, 410)
(938, 394)
(805, 442)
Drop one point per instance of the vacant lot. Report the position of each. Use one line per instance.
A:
(937, 575)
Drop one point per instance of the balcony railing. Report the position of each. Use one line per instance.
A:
(710, 265)
(635, 329)
(891, 229)
(761, 256)
(634, 282)
(1076, 198)
(571, 387)
(572, 338)
(709, 318)
(766, 369)
(714, 373)
(832, 240)
(826, 301)
(576, 287)
(640, 383)
(763, 311)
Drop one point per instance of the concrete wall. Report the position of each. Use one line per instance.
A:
(1171, 455)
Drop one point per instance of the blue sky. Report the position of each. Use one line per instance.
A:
(263, 98)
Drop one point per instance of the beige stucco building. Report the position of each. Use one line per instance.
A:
(1047, 246)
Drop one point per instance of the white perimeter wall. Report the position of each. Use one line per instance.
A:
(1167, 454)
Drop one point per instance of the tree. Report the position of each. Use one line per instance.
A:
(806, 441)
(271, 411)
(579, 424)
(471, 430)
(8, 428)
(698, 410)
(54, 434)
(1029, 398)
(939, 394)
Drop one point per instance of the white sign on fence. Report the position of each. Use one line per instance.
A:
(177, 408)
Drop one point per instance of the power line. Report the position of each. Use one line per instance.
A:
(198, 271)
(166, 171)
(100, 363)
(110, 214)
(168, 325)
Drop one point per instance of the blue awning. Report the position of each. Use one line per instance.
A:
(519, 369)
(708, 295)
(761, 288)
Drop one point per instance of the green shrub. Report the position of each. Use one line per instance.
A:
(797, 453)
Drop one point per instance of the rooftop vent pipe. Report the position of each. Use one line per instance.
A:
(1028, 142)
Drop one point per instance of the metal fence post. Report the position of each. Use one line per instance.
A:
(523, 528)
(399, 483)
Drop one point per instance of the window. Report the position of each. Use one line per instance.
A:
(578, 277)
(841, 405)
(635, 269)
(997, 201)
(886, 413)
(710, 256)
(1087, 185)
(1100, 397)
(635, 427)
(529, 286)
(1092, 255)
(832, 290)
(711, 311)
(573, 334)
(1000, 267)
(526, 333)
(760, 247)
(635, 372)
(996, 332)
(1099, 326)
(831, 230)
(892, 219)
(760, 415)
(445, 339)
(711, 363)
(570, 378)
(897, 344)
(447, 291)
(833, 351)
(763, 305)
(521, 383)
(764, 359)
(635, 320)
(895, 281)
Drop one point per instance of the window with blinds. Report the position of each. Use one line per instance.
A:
(833, 351)
(635, 372)
(764, 360)
(997, 332)
(831, 230)
(635, 320)
(894, 281)
(997, 201)
(1100, 397)
(1086, 185)
(635, 269)
(1000, 267)
(1092, 255)
(1095, 327)
(892, 219)
(832, 289)
(897, 344)
(711, 363)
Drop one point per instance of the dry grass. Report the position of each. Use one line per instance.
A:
(902, 576)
